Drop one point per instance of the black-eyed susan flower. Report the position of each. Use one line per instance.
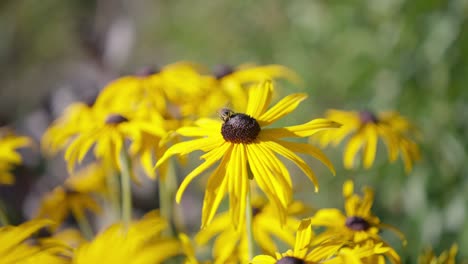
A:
(446, 257)
(364, 129)
(358, 224)
(75, 197)
(140, 242)
(9, 157)
(14, 249)
(306, 251)
(242, 141)
(62, 202)
(94, 126)
(265, 225)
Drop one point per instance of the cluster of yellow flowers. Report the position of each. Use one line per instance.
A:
(141, 121)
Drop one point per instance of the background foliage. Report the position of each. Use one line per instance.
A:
(407, 55)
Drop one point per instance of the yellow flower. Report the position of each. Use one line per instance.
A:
(447, 257)
(9, 156)
(76, 196)
(242, 141)
(190, 94)
(140, 243)
(86, 127)
(364, 130)
(14, 249)
(175, 91)
(358, 225)
(233, 80)
(265, 224)
(331, 252)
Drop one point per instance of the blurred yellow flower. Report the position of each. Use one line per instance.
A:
(446, 257)
(364, 130)
(358, 225)
(265, 224)
(232, 81)
(86, 127)
(305, 251)
(9, 157)
(76, 196)
(63, 201)
(243, 142)
(140, 243)
(15, 250)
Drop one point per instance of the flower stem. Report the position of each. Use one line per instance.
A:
(126, 188)
(83, 224)
(248, 223)
(3, 216)
(113, 187)
(167, 188)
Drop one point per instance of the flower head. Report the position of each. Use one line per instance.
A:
(61, 202)
(243, 141)
(265, 225)
(364, 129)
(446, 257)
(83, 127)
(358, 224)
(307, 251)
(76, 196)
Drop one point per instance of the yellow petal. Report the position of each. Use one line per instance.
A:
(183, 148)
(215, 190)
(278, 174)
(217, 153)
(348, 188)
(294, 158)
(200, 131)
(268, 184)
(263, 259)
(260, 73)
(310, 150)
(303, 239)
(303, 130)
(238, 185)
(282, 108)
(370, 148)
(351, 149)
(259, 99)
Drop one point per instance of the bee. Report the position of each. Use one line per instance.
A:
(225, 114)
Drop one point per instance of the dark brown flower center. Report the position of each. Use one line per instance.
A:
(69, 191)
(222, 70)
(240, 128)
(357, 223)
(256, 210)
(368, 117)
(115, 119)
(290, 260)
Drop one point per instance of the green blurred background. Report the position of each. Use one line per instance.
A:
(405, 55)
